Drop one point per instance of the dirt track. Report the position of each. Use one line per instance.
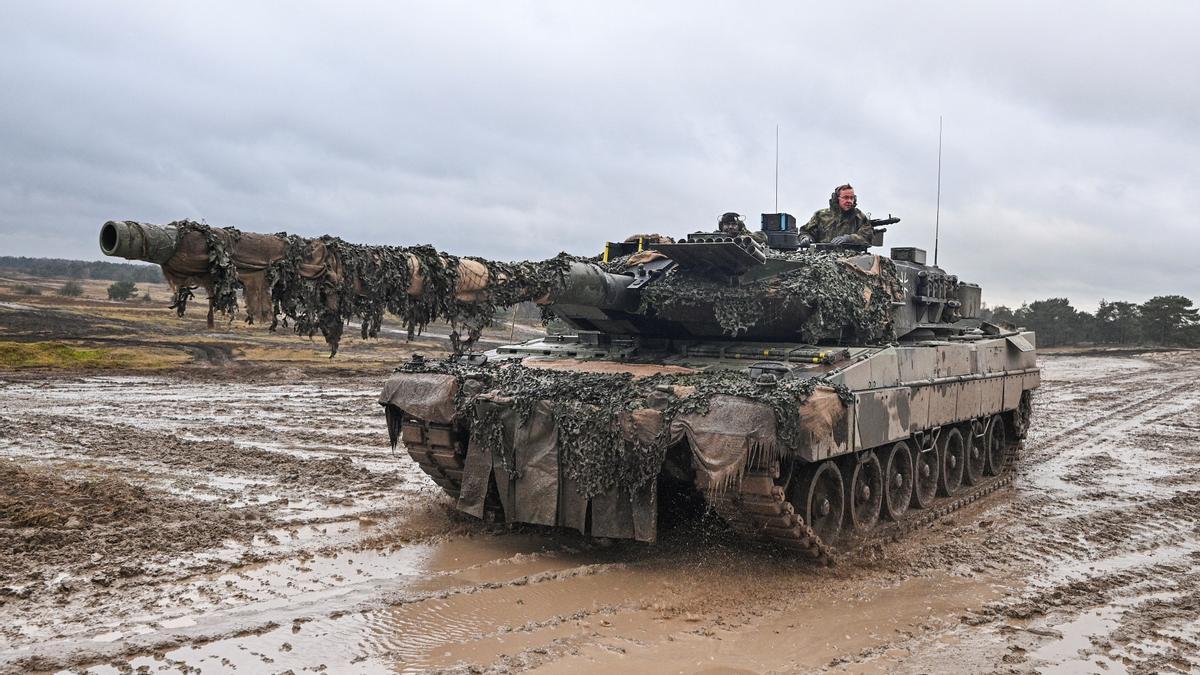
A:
(259, 522)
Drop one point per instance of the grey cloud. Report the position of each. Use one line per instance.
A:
(517, 130)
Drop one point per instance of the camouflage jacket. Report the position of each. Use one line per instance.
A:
(825, 225)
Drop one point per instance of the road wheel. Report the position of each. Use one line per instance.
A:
(927, 473)
(952, 452)
(976, 442)
(864, 493)
(899, 478)
(818, 498)
(997, 446)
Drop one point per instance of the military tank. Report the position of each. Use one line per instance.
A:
(815, 398)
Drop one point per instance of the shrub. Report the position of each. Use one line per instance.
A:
(71, 289)
(122, 290)
(26, 289)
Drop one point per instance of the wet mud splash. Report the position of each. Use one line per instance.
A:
(353, 562)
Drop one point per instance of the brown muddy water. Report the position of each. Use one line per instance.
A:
(234, 523)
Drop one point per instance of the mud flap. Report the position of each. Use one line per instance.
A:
(530, 493)
(476, 474)
(506, 485)
(543, 494)
(645, 512)
(572, 505)
(505, 480)
(618, 515)
(612, 515)
(536, 444)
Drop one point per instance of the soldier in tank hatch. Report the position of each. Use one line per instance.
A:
(841, 223)
(733, 225)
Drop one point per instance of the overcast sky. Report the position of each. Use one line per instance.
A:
(515, 130)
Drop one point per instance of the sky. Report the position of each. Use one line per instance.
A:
(515, 130)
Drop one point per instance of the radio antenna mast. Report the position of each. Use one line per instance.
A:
(937, 214)
(776, 168)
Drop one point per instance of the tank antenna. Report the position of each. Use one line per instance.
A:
(776, 168)
(937, 214)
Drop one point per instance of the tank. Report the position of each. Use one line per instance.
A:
(815, 398)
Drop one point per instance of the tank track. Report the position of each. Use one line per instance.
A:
(439, 449)
(917, 519)
(759, 511)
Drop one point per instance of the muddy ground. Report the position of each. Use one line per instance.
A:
(254, 519)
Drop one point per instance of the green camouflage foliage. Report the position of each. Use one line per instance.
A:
(585, 407)
(373, 279)
(832, 293)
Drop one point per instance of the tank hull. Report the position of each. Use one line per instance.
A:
(887, 437)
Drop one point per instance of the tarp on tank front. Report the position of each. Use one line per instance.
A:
(584, 450)
(534, 487)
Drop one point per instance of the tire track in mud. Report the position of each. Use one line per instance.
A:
(120, 443)
(1102, 420)
(403, 615)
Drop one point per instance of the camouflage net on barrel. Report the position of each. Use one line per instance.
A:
(322, 284)
(586, 409)
(224, 284)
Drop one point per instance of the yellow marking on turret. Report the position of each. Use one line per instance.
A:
(606, 247)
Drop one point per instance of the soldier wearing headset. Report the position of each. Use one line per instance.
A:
(841, 223)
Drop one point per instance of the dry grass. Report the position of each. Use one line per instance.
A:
(63, 356)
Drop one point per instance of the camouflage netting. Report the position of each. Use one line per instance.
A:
(843, 301)
(322, 284)
(586, 408)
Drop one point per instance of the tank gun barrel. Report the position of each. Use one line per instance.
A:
(583, 283)
(323, 282)
(187, 249)
(139, 241)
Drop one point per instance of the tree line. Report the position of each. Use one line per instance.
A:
(1168, 320)
(59, 268)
